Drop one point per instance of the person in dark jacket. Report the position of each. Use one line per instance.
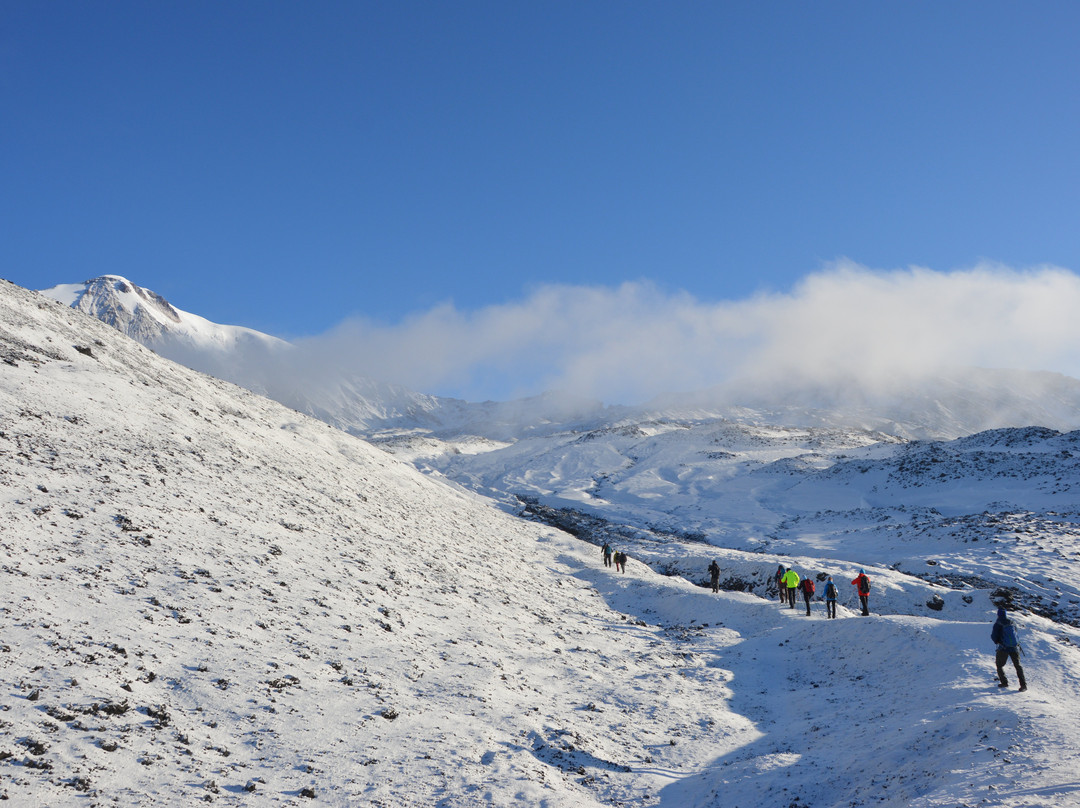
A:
(830, 598)
(807, 587)
(620, 561)
(1003, 634)
(781, 589)
(862, 585)
(714, 575)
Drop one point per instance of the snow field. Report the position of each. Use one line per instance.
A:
(208, 597)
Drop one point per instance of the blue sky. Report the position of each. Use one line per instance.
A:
(289, 166)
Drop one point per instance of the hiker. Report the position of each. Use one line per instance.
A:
(606, 550)
(714, 575)
(1008, 647)
(862, 585)
(807, 587)
(780, 588)
(830, 598)
(791, 581)
(620, 561)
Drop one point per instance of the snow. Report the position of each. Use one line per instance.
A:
(153, 321)
(208, 596)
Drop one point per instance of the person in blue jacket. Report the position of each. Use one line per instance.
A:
(830, 598)
(1003, 634)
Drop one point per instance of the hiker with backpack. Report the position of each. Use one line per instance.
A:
(1003, 634)
(830, 598)
(606, 550)
(781, 590)
(620, 561)
(791, 582)
(807, 587)
(714, 575)
(862, 585)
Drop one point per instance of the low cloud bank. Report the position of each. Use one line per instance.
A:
(846, 326)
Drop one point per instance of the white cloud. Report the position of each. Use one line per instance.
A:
(626, 344)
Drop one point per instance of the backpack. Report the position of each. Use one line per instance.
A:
(808, 586)
(830, 591)
(1008, 636)
(866, 584)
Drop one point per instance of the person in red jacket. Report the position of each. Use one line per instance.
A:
(862, 585)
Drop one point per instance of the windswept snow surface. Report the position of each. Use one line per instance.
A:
(207, 596)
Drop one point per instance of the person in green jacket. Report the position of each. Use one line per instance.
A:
(791, 581)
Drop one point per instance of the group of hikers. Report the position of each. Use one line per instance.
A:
(788, 581)
(618, 556)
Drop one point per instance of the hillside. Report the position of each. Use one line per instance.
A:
(205, 592)
(207, 596)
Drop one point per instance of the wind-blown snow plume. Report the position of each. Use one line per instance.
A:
(847, 326)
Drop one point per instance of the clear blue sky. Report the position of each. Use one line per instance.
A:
(285, 165)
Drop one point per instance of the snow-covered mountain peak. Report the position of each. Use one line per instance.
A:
(149, 318)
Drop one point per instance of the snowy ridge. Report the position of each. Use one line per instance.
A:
(251, 359)
(149, 318)
(298, 375)
(942, 406)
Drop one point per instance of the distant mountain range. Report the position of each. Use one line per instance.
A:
(963, 403)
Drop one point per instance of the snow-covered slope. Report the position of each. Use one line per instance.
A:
(207, 596)
(205, 592)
